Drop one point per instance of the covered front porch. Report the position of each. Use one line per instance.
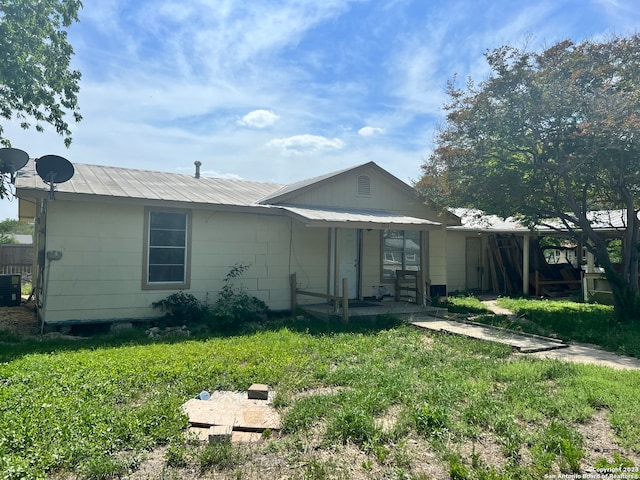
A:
(362, 310)
(367, 263)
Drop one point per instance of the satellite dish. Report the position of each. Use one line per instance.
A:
(12, 160)
(53, 169)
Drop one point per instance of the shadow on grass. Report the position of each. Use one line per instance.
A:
(13, 346)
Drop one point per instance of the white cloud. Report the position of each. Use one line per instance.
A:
(370, 131)
(301, 144)
(259, 119)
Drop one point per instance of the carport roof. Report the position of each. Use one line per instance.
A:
(476, 220)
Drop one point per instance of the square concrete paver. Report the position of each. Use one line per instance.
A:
(234, 409)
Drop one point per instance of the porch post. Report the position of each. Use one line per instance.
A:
(525, 264)
(336, 269)
(424, 267)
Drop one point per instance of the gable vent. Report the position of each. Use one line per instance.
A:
(364, 186)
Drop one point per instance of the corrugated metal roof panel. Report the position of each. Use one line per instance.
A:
(144, 184)
(376, 218)
(473, 219)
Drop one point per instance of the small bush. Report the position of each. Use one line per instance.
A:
(235, 306)
(181, 309)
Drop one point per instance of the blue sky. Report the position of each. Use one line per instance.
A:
(283, 90)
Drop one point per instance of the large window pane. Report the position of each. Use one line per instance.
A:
(166, 256)
(166, 274)
(168, 221)
(167, 238)
(400, 251)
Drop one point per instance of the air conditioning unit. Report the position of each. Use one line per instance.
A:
(10, 290)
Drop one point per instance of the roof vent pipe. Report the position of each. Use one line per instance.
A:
(197, 163)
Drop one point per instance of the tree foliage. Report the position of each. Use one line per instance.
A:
(36, 82)
(550, 135)
(11, 225)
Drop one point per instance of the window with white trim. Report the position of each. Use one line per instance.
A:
(167, 248)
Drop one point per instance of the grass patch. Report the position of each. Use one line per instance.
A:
(465, 304)
(579, 322)
(95, 408)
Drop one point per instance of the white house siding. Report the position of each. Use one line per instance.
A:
(371, 270)
(456, 260)
(437, 257)
(99, 277)
(342, 191)
(99, 274)
(267, 244)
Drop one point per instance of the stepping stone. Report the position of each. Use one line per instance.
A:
(201, 434)
(234, 409)
(258, 391)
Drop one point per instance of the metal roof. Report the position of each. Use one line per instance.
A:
(114, 182)
(477, 220)
(375, 219)
(145, 184)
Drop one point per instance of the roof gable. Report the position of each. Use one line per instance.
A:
(290, 193)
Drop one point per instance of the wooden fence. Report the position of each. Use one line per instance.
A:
(16, 259)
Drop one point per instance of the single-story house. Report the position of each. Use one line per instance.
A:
(112, 241)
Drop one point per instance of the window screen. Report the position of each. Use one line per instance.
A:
(167, 248)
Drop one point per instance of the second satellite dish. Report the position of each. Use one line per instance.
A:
(54, 169)
(12, 160)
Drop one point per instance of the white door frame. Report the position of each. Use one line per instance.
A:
(344, 261)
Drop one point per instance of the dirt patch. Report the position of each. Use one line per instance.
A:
(600, 442)
(20, 320)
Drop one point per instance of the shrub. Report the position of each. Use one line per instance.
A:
(181, 309)
(235, 306)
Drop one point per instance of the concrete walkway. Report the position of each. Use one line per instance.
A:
(533, 345)
(521, 342)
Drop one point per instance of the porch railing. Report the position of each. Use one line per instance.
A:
(539, 283)
(338, 300)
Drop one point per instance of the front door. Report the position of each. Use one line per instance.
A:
(347, 251)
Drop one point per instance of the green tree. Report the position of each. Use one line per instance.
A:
(550, 136)
(11, 225)
(36, 82)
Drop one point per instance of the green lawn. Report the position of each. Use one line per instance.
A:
(380, 403)
(577, 322)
